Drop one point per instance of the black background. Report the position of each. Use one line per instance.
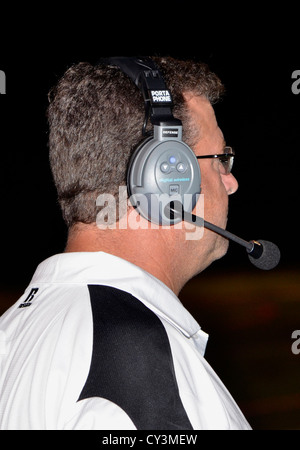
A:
(254, 53)
(258, 115)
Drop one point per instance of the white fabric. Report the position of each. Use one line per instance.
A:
(46, 349)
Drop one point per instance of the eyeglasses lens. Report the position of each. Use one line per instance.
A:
(227, 160)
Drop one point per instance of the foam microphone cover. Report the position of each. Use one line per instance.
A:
(269, 258)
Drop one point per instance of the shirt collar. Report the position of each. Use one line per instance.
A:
(103, 268)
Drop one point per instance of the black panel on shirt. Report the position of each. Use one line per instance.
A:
(132, 363)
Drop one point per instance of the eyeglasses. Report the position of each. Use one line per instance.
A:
(226, 159)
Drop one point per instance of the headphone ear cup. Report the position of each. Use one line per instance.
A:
(163, 176)
(131, 164)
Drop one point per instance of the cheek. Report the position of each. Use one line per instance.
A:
(215, 197)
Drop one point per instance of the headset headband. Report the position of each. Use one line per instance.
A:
(148, 78)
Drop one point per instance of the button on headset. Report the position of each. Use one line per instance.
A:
(164, 167)
(174, 189)
(181, 167)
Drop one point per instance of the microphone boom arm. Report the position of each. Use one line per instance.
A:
(263, 254)
(191, 218)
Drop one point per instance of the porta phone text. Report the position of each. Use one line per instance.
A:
(150, 439)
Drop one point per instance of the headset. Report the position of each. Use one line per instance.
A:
(163, 174)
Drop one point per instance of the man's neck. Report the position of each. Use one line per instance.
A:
(144, 248)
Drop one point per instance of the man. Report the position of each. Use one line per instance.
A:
(100, 340)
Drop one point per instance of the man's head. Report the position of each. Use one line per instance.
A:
(96, 115)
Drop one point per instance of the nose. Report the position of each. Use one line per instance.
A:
(230, 183)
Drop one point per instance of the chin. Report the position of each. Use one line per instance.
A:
(220, 249)
(217, 252)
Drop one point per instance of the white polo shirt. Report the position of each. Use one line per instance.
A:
(97, 343)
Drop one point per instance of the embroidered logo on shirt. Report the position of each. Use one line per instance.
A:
(29, 298)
